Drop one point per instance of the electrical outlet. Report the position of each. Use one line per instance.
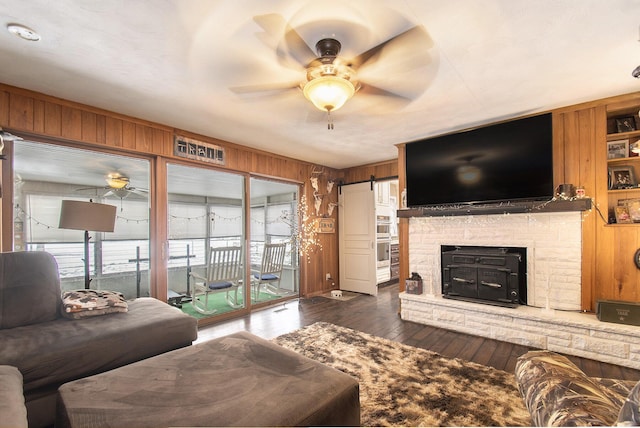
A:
(328, 276)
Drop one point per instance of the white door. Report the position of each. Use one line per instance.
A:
(357, 238)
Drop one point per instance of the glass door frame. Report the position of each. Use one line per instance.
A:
(161, 229)
(300, 266)
(7, 191)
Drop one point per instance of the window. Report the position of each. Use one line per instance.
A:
(47, 174)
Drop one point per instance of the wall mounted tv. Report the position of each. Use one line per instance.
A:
(509, 161)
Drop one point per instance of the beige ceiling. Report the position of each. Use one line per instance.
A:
(174, 62)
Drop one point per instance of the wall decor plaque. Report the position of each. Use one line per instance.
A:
(326, 225)
(198, 150)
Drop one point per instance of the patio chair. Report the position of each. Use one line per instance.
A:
(270, 273)
(223, 274)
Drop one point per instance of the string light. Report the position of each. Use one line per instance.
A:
(30, 219)
(132, 220)
(304, 235)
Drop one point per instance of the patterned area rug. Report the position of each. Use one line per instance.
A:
(405, 386)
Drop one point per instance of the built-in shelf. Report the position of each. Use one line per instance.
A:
(502, 208)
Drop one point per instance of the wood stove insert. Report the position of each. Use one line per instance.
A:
(490, 275)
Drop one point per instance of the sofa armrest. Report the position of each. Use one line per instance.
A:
(557, 393)
(13, 412)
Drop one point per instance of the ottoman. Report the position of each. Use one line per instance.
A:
(236, 380)
(13, 412)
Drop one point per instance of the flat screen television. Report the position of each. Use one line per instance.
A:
(509, 161)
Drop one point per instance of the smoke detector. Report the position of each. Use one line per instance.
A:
(23, 32)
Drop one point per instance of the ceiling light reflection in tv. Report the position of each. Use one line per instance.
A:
(509, 161)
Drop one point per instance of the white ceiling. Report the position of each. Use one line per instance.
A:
(173, 62)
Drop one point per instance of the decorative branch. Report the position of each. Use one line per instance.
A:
(305, 234)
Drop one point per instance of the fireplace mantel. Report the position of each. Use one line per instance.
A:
(501, 208)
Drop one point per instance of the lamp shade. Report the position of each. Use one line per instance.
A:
(92, 216)
(328, 93)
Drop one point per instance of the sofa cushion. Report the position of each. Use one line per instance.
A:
(557, 393)
(13, 412)
(29, 288)
(52, 353)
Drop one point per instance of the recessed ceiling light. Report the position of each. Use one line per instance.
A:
(23, 32)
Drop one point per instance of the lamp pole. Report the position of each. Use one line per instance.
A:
(87, 279)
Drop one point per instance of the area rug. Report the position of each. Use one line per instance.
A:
(401, 385)
(218, 302)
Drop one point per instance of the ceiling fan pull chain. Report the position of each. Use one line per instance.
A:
(329, 120)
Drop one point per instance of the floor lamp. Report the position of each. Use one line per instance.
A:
(80, 215)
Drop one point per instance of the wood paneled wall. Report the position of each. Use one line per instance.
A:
(55, 119)
(608, 271)
(379, 170)
(580, 136)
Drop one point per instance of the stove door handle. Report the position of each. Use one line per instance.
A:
(466, 281)
(491, 284)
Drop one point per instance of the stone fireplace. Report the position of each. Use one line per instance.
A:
(553, 243)
(552, 317)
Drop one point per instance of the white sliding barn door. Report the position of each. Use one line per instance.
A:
(357, 238)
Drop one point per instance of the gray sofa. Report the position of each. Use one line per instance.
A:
(49, 349)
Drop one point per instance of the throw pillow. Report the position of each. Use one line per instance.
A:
(630, 412)
(78, 304)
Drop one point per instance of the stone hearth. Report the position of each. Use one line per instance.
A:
(552, 319)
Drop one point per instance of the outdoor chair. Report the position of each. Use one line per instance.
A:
(224, 274)
(270, 272)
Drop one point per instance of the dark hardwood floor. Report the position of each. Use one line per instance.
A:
(379, 316)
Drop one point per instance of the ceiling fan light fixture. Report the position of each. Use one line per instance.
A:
(117, 181)
(328, 93)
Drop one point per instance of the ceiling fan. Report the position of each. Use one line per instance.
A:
(331, 80)
(117, 185)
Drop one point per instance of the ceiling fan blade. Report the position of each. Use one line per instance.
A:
(272, 23)
(381, 100)
(295, 46)
(417, 35)
(375, 90)
(265, 88)
(99, 191)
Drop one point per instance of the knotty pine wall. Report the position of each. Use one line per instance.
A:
(59, 121)
(364, 172)
(580, 139)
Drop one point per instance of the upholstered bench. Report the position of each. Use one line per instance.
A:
(239, 380)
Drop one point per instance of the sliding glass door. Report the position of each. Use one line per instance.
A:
(274, 222)
(205, 215)
(205, 212)
(46, 174)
